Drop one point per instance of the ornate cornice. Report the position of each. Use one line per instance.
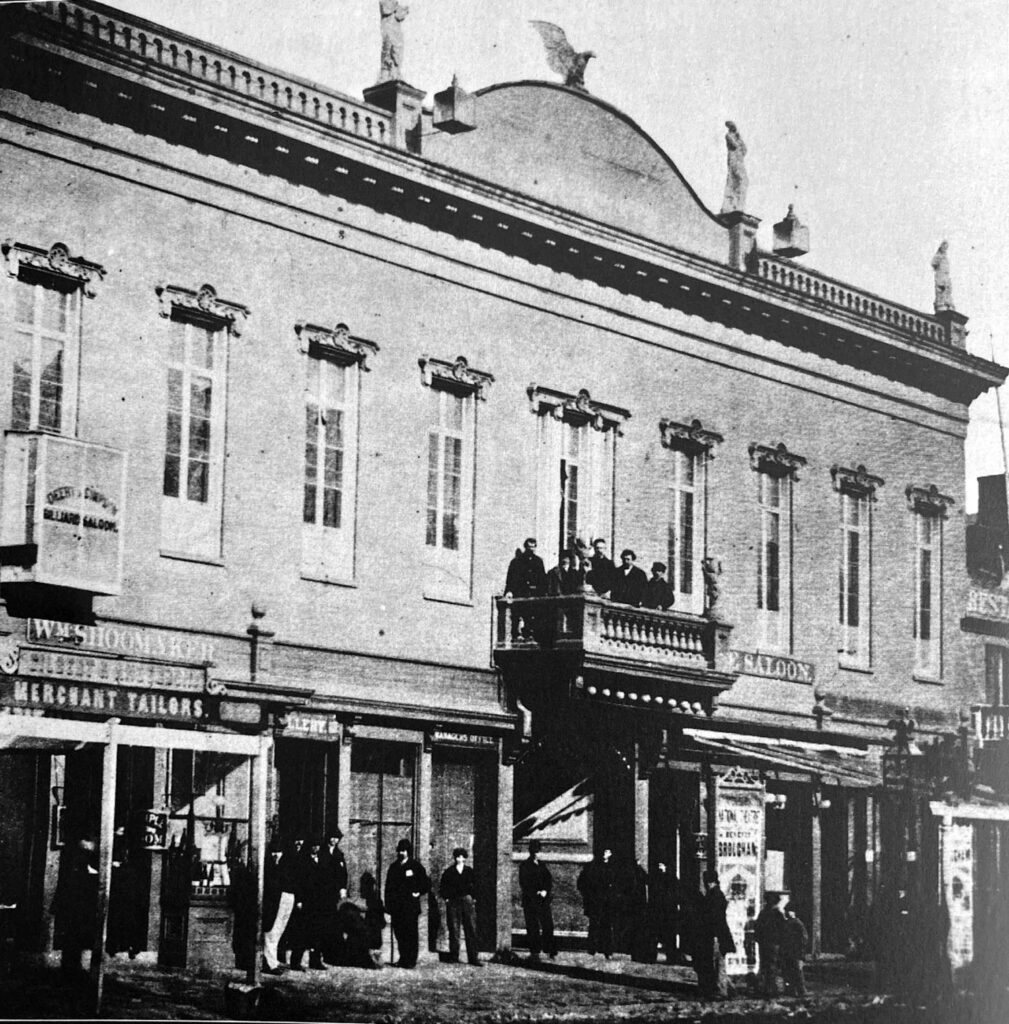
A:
(689, 437)
(54, 262)
(928, 501)
(457, 376)
(858, 481)
(335, 343)
(579, 407)
(776, 461)
(204, 304)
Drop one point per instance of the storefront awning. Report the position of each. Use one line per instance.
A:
(834, 765)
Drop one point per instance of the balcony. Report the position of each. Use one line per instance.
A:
(991, 723)
(61, 513)
(665, 662)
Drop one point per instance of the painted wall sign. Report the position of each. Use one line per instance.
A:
(91, 668)
(958, 881)
(103, 700)
(312, 725)
(463, 739)
(117, 639)
(771, 666)
(739, 844)
(988, 604)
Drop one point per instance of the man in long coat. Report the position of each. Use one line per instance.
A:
(536, 884)
(406, 882)
(714, 940)
(597, 884)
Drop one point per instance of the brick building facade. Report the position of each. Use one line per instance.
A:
(331, 361)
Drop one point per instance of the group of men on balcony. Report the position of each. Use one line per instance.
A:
(579, 572)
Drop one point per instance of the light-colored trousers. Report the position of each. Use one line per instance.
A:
(271, 940)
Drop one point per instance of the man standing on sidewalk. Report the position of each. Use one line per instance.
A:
(458, 889)
(536, 884)
(406, 882)
(283, 877)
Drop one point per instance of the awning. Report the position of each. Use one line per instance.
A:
(834, 765)
(570, 804)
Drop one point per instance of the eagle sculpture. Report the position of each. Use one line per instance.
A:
(561, 55)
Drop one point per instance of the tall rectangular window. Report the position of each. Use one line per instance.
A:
(193, 465)
(44, 357)
(447, 460)
(853, 581)
(574, 511)
(772, 559)
(330, 468)
(685, 517)
(996, 675)
(928, 592)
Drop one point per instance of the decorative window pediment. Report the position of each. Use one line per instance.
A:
(857, 482)
(202, 305)
(458, 376)
(335, 343)
(54, 263)
(578, 408)
(690, 437)
(927, 501)
(776, 461)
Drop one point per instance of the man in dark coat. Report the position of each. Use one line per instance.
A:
(317, 916)
(597, 884)
(601, 568)
(663, 904)
(406, 882)
(458, 890)
(526, 578)
(793, 951)
(714, 940)
(658, 592)
(769, 932)
(280, 888)
(563, 578)
(629, 582)
(75, 905)
(536, 884)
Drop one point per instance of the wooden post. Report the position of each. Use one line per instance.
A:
(505, 815)
(157, 858)
(816, 924)
(105, 839)
(257, 848)
(422, 850)
(642, 789)
(343, 787)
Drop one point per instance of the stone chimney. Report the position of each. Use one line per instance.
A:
(454, 109)
(790, 237)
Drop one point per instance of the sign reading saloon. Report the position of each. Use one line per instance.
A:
(770, 666)
(739, 841)
(116, 639)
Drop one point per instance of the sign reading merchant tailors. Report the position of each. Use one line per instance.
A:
(770, 666)
(739, 841)
(103, 700)
(64, 499)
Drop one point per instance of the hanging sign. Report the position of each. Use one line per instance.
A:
(739, 847)
(958, 881)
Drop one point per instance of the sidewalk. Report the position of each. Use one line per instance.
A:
(572, 989)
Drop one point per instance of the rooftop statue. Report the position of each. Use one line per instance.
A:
(392, 14)
(736, 180)
(943, 282)
(561, 55)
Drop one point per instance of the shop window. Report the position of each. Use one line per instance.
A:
(996, 675)
(690, 452)
(777, 471)
(928, 509)
(209, 809)
(334, 364)
(453, 391)
(856, 492)
(576, 445)
(199, 330)
(44, 335)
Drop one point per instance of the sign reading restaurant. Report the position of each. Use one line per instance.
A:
(117, 639)
(770, 666)
(988, 604)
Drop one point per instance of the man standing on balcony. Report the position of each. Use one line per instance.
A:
(563, 578)
(629, 582)
(526, 578)
(600, 576)
(658, 592)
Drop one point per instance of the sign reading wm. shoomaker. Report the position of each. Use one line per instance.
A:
(64, 499)
(121, 639)
(770, 666)
(739, 843)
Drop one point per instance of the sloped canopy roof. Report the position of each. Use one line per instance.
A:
(578, 153)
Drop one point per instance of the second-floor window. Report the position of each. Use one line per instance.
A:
(996, 675)
(929, 512)
(452, 393)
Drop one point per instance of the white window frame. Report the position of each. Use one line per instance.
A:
(448, 571)
(856, 490)
(599, 426)
(328, 553)
(778, 464)
(688, 444)
(40, 271)
(929, 510)
(191, 528)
